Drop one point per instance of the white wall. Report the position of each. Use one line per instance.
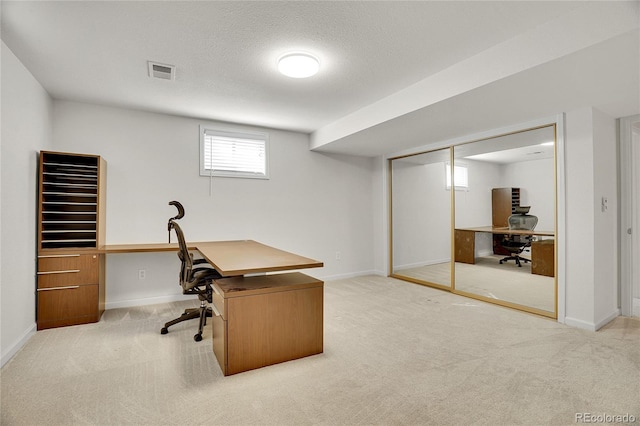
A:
(580, 249)
(635, 178)
(473, 206)
(606, 220)
(313, 204)
(591, 246)
(421, 214)
(380, 216)
(26, 129)
(536, 180)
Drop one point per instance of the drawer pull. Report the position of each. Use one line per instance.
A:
(69, 271)
(215, 311)
(59, 288)
(58, 255)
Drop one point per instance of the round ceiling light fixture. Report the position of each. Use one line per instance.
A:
(298, 65)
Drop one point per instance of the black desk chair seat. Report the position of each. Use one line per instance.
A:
(196, 281)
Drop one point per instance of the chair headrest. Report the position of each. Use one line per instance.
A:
(522, 209)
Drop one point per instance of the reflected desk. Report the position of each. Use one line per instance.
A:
(258, 320)
(542, 257)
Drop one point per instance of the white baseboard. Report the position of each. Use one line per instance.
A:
(606, 320)
(146, 301)
(573, 322)
(585, 325)
(420, 264)
(9, 353)
(350, 275)
(485, 253)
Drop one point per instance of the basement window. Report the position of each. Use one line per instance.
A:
(460, 177)
(234, 154)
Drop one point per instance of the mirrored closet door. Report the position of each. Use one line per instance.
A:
(505, 220)
(501, 235)
(421, 218)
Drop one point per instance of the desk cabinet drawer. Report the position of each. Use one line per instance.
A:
(70, 305)
(67, 270)
(218, 304)
(219, 330)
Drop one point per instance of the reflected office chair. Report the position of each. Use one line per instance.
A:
(516, 244)
(195, 281)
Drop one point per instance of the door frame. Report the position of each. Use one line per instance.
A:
(625, 227)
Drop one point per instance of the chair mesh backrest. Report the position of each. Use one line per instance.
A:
(184, 255)
(523, 221)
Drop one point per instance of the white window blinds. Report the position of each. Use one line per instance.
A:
(460, 177)
(233, 154)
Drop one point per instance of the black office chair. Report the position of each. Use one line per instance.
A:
(192, 280)
(516, 244)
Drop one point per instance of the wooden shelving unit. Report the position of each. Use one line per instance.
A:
(503, 204)
(71, 204)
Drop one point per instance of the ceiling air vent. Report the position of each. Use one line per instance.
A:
(162, 71)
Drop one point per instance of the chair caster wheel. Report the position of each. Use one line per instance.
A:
(501, 262)
(197, 337)
(164, 330)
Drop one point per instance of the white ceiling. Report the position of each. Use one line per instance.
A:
(225, 56)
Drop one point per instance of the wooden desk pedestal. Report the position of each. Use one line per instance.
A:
(465, 246)
(266, 319)
(543, 258)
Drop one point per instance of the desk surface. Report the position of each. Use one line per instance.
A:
(230, 258)
(507, 231)
(246, 257)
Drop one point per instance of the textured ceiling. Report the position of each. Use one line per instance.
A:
(225, 54)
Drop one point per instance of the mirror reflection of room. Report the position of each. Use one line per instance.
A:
(421, 218)
(505, 220)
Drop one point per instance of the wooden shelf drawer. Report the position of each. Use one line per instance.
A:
(70, 305)
(67, 270)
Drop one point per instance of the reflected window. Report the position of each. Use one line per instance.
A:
(460, 176)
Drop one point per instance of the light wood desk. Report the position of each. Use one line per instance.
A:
(465, 245)
(258, 320)
(239, 257)
(243, 257)
(507, 231)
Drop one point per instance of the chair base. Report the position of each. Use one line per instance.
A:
(202, 313)
(518, 259)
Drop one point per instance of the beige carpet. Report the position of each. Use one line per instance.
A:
(488, 278)
(395, 353)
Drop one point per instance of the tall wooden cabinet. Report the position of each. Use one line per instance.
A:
(71, 229)
(503, 204)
